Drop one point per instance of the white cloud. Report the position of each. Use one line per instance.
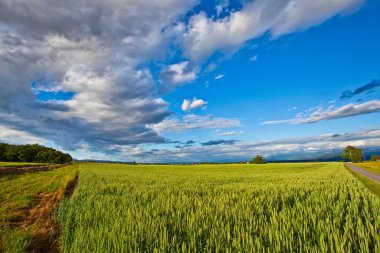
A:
(253, 58)
(221, 7)
(219, 10)
(332, 113)
(188, 105)
(219, 76)
(178, 73)
(9, 135)
(95, 50)
(205, 36)
(227, 133)
(192, 121)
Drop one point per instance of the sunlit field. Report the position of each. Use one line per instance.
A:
(17, 164)
(371, 166)
(17, 194)
(310, 207)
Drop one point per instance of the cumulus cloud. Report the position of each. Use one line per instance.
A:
(188, 105)
(96, 51)
(192, 121)
(331, 113)
(360, 90)
(177, 74)
(205, 35)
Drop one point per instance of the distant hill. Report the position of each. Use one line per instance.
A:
(333, 157)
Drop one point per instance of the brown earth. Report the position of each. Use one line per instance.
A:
(38, 218)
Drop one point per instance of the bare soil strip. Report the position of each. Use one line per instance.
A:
(370, 175)
(38, 218)
(31, 169)
(70, 188)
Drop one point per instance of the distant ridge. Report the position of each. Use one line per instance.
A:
(333, 157)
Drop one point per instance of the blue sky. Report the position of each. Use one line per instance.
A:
(303, 70)
(191, 81)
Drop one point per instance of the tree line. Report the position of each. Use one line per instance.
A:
(32, 153)
(355, 155)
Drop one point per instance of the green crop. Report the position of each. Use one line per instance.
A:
(309, 207)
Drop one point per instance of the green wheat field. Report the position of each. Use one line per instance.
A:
(309, 207)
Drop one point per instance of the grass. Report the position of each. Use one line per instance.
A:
(370, 166)
(371, 185)
(17, 192)
(19, 165)
(310, 207)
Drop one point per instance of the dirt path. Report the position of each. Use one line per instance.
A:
(370, 175)
(38, 218)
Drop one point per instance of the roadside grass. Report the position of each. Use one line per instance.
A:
(371, 185)
(300, 207)
(17, 194)
(370, 166)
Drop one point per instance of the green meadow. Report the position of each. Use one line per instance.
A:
(18, 164)
(309, 207)
(17, 194)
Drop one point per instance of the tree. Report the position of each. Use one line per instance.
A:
(375, 157)
(3, 149)
(353, 154)
(258, 159)
(32, 153)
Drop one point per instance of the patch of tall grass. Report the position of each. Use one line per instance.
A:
(311, 207)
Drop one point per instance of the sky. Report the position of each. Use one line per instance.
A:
(191, 81)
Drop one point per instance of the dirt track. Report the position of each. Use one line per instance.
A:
(38, 219)
(370, 175)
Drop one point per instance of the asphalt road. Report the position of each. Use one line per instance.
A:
(371, 175)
